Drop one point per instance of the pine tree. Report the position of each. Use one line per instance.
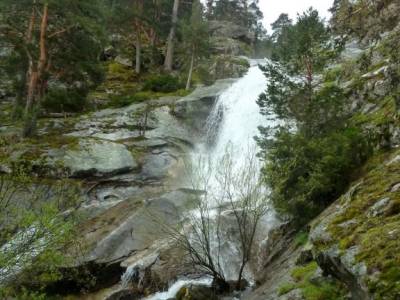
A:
(169, 56)
(195, 34)
(58, 40)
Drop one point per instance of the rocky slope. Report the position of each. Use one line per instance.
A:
(129, 173)
(351, 251)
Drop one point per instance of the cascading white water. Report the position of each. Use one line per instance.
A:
(240, 116)
(233, 123)
(231, 128)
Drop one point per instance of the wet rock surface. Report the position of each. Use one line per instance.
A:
(131, 171)
(128, 162)
(98, 158)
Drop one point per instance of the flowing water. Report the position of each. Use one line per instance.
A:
(238, 116)
(232, 124)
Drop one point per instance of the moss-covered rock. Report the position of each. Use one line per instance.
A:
(357, 238)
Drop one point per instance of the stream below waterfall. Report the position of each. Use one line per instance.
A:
(233, 123)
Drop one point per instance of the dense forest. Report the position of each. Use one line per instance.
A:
(52, 51)
(176, 149)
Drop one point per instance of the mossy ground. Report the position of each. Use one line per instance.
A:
(385, 114)
(123, 87)
(312, 288)
(377, 235)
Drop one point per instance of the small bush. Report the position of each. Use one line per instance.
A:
(125, 100)
(116, 68)
(120, 73)
(65, 100)
(301, 238)
(162, 84)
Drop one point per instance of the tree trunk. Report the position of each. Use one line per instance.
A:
(169, 57)
(139, 8)
(309, 70)
(138, 53)
(31, 26)
(239, 282)
(189, 80)
(35, 88)
(24, 84)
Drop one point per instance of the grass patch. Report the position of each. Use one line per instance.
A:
(304, 272)
(301, 238)
(286, 288)
(319, 289)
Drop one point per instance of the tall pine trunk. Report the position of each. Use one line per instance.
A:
(169, 57)
(35, 79)
(138, 59)
(189, 80)
(138, 53)
(23, 84)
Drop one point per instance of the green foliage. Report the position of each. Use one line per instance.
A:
(286, 288)
(125, 100)
(322, 289)
(304, 272)
(301, 238)
(306, 174)
(35, 231)
(120, 73)
(67, 54)
(316, 110)
(309, 164)
(65, 100)
(245, 14)
(375, 235)
(162, 83)
(300, 44)
(196, 38)
(23, 294)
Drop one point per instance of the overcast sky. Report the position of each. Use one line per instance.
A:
(273, 8)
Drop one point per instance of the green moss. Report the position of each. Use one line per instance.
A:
(304, 272)
(313, 289)
(301, 238)
(6, 113)
(117, 71)
(334, 74)
(377, 236)
(323, 291)
(286, 288)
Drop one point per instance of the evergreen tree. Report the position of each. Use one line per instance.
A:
(58, 40)
(195, 34)
(306, 167)
(169, 56)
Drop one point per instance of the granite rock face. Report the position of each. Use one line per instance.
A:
(98, 158)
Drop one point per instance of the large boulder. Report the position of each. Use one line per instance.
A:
(98, 158)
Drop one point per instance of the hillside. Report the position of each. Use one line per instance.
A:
(147, 152)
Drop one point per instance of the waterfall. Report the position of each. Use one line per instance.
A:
(236, 116)
(233, 123)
